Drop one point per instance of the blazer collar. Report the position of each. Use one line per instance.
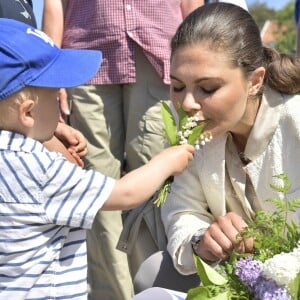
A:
(266, 122)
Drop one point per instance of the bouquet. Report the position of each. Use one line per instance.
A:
(188, 130)
(272, 271)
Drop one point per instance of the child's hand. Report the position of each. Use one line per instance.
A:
(174, 161)
(177, 157)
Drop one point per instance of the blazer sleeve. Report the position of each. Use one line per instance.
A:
(185, 212)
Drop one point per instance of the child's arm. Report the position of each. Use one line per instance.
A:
(140, 184)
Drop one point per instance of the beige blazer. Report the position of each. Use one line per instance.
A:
(198, 195)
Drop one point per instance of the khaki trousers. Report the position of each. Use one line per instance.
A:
(118, 121)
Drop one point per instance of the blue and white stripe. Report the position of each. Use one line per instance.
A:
(46, 203)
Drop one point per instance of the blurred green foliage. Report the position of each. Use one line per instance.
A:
(285, 35)
(286, 41)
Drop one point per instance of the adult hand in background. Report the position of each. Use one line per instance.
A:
(73, 140)
(63, 104)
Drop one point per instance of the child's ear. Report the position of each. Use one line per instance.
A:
(256, 80)
(25, 114)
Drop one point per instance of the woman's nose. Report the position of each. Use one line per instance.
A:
(190, 104)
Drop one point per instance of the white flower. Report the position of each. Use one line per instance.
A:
(180, 133)
(186, 131)
(197, 147)
(282, 268)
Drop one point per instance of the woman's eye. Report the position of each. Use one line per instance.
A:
(177, 89)
(209, 90)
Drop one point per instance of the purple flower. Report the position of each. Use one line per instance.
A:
(248, 270)
(268, 290)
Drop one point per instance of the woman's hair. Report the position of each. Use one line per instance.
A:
(231, 29)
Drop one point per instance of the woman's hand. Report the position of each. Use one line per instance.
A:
(220, 239)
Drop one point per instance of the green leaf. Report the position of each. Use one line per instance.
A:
(163, 192)
(183, 117)
(202, 293)
(286, 183)
(169, 124)
(294, 288)
(222, 296)
(196, 132)
(207, 274)
(198, 293)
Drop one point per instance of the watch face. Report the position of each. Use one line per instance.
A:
(196, 238)
(194, 241)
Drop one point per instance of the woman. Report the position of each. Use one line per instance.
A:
(247, 95)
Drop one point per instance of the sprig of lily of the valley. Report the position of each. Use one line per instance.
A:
(188, 130)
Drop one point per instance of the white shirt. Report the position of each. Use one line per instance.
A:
(46, 203)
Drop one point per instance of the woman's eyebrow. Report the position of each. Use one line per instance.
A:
(198, 80)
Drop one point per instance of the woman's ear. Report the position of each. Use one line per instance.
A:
(256, 80)
(25, 114)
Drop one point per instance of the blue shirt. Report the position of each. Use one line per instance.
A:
(46, 203)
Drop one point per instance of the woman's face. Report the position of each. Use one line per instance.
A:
(203, 83)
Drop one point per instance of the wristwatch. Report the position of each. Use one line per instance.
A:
(196, 238)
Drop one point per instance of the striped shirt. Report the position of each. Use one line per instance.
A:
(115, 27)
(46, 203)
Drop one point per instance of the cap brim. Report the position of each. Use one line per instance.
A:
(71, 67)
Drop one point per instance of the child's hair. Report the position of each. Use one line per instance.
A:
(28, 92)
(229, 28)
(9, 104)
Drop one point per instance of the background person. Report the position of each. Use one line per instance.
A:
(118, 111)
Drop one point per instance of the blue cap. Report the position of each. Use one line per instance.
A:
(28, 57)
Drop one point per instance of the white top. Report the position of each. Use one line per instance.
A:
(46, 203)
